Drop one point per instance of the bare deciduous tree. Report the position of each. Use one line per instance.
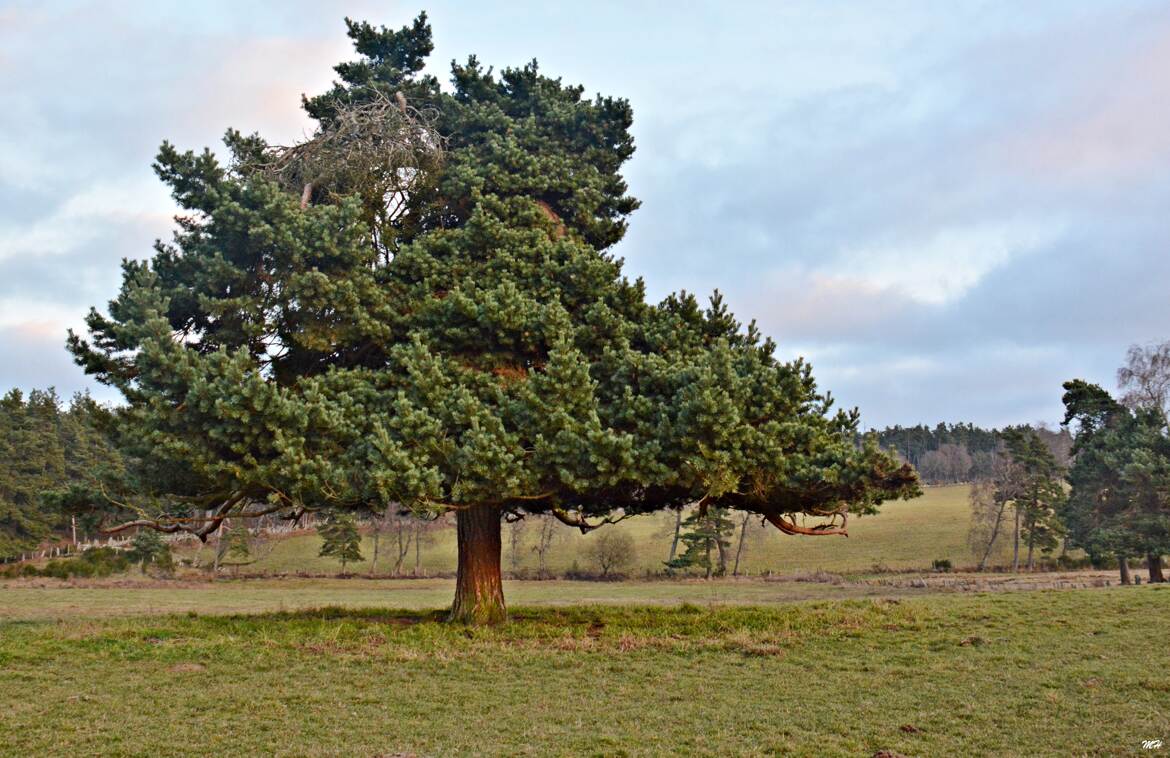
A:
(991, 498)
(1145, 378)
(949, 464)
(743, 532)
(402, 528)
(547, 536)
(516, 530)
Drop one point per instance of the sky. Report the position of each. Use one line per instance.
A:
(947, 208)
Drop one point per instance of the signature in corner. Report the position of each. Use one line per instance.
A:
(1151, 744)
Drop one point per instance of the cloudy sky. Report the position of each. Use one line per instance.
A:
(949, 208)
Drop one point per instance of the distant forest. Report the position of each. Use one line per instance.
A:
(952, 453)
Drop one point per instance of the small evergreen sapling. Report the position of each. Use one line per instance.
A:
(147, 547)
(238, 543)
(340, 539)
(707, 537)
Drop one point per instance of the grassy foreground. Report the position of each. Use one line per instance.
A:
(1027, 673)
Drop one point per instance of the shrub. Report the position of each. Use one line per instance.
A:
(101, 561)
(148, 547)
(941, 565)
(611, 551)
(1067, 562)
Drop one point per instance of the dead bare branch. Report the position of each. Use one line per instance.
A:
(579, 521)
(379, 149)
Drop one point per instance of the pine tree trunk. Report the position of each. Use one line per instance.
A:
(479, 592)
(1123, 566)
(1016, 544)
(677, 529)
(1031, 544)
(1154, 564)
(722, 546)
(377, 538)
(417, 549)
(739, 550)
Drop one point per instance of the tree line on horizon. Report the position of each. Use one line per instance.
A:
(963, 452)
(46, 446)
(1108, 496)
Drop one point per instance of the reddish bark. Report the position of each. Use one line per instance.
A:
(789, 526)
(479, 592)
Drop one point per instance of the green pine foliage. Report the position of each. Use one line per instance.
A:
(147, 547)
(340, 539)
(474, 346)
(706, 535)
(45, 446)
(1119, 503)
(238, 543)
(31, 462)
(1038, 492)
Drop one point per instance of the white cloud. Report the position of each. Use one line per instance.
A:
(944, 264)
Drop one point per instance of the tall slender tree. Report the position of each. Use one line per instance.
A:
(1037, 493)
(419, 305)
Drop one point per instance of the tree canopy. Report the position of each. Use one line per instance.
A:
(1119, 503)
(445, 327)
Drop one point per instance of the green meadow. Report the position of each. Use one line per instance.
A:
(904, 535)
(1011, 674)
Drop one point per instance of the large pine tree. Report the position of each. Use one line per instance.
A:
(1119, 502)
(419, 306)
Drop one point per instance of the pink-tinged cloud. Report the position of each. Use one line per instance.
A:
(1114, 125)
(257, 83)
(803, 305)
(34, 331)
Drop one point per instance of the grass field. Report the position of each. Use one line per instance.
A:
(331, 666)
(45, 600)
(1026, 673)
(905, 535)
